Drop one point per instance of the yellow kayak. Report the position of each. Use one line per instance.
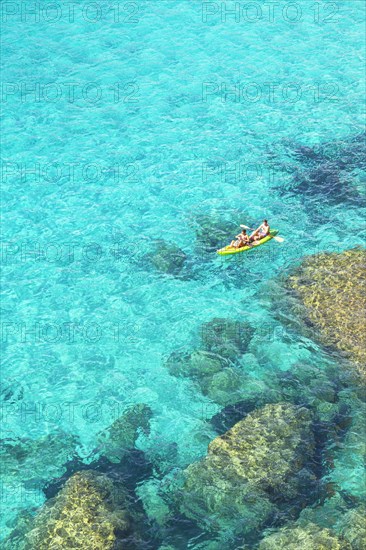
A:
(231, 250)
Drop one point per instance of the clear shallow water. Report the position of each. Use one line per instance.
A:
(141, 163)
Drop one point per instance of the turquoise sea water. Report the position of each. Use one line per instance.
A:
(126, 127)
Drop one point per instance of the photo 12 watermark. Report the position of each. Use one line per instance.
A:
(90, 94)
(60, 173)
(62, 253)
(24, 493)
(76, 332)
(88, 332)
(126, 13)
(248, 12)
(269, 93)
(237, 172)
(55, 412)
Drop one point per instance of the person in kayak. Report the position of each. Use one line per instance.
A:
(241, 240)
(262, 231)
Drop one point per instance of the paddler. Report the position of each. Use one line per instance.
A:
(262, 231)
(241, 240)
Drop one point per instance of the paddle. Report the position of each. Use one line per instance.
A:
(276, 238)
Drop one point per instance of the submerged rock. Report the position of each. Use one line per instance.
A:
(213, 233)
(252, 471)
(324, 180)
(329, 171)
(168, 258)
(120, 437)
(216, 367)
(224, 387)
(304, 380)
(86, 514)
(11, 390)
(231, 414)
(307, 153)
(226, 337)
(214, 374)
(309, 385)
(349, 456)
(197, 364)
(325, 515)
(44, 457)
(311, 537)
(130, 471)
(331, 290)
(353, 528)
(346, 154)
(16, 540)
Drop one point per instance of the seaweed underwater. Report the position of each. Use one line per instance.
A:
(328, 174)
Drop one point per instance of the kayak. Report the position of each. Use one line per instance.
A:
(231, 250)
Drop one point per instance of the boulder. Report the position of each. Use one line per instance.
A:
(21, 525)
(224, 387)
(251, 471)
(326, 514)
(353, 528)
(330, 289)
(226, 337)
(213, 233)
(86, 514)
(330, 172)
(116, 441)
(215, 376)
(168, 258)
(306, 384)
(197, 364)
